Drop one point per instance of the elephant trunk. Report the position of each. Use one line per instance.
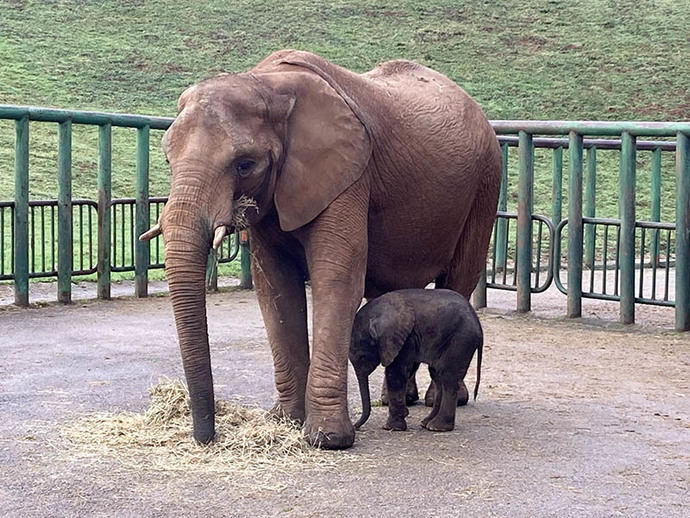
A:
(363, 380)
(187, 243)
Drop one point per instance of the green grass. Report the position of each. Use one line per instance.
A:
(531, 59)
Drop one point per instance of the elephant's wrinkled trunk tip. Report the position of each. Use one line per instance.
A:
(204, 428)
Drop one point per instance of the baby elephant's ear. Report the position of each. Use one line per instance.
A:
(393, 329)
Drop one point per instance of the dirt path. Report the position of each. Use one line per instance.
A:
(573, 419)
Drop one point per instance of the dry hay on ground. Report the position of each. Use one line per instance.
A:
(249, 443)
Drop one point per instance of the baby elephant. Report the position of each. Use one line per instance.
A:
(403, 328)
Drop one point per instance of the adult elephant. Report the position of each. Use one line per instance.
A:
(363, 183)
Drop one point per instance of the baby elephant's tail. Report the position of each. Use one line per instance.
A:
(479, 365)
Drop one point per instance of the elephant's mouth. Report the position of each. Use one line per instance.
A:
(239, 219)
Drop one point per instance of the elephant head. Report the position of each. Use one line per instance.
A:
(280, 135)
(380, 330)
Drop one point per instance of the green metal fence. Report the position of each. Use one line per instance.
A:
(628, 260)
(43, 253)
(82, 236)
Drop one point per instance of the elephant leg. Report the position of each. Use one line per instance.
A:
(442, 417)
(397, 410)
(411, 392)
(280, 291)
(463, 394)
(436, 404)
(335, 245)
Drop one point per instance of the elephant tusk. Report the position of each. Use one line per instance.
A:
(218, 236)
(154, 231)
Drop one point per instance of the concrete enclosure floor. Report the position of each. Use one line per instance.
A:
(577, 417)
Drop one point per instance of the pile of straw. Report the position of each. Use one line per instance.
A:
(248, 441)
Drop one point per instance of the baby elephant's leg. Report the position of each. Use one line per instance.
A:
(436, 404)
(411, 394)
(463, 394)
(397, 410)
(445, 403)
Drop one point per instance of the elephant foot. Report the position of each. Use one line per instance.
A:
(411, 393)
(328, 432)
(395, 424)
(439, 424)
(285, 411)
(463, 394)
(428, 418)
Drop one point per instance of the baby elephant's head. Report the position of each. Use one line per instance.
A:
(364, 351)
(380, 329)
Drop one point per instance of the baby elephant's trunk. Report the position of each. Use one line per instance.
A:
(363, 380)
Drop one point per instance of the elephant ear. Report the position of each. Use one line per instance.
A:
(327, 146)
(392, 328)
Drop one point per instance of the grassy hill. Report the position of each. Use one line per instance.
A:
(535, 59)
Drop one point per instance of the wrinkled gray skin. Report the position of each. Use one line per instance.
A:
(347, 170)
(403, 328)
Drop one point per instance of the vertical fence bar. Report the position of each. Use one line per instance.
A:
(682, 232)
(245, 261)
(212, 269)
(104, 197)
(141, 263)
(21, 212)
(627, 239)
(589, 208)
(501, 242)
(557, 185)
(656, 207)
(65, 242)
(2, 241)
(524, 230)
(575, 226)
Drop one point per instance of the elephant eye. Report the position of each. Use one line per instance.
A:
(244, 166)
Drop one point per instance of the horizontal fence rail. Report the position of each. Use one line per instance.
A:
(43, 256)
(624, 259)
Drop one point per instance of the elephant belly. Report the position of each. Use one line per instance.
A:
(408, 255)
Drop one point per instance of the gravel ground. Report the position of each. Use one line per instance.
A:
(577, 417)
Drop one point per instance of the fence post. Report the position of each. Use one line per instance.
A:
(65, 243)
(575, 226)
(212, 270)
(245, 261)
(141, 248)
(557, 185)
(656, 204)
(627, 239)
(502, 205)
(524, 225)
(21, 212)
(590, 205)
(104, 196)
(682, 232)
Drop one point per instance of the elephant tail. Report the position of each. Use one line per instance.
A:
(366, 398)
(480, 348)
